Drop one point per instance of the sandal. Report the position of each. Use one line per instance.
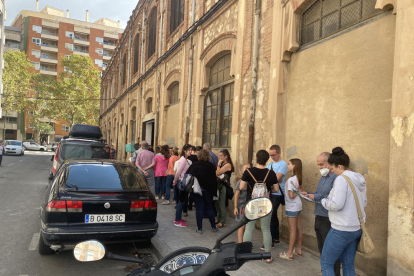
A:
(297, 254)
(284, 256)
(269, 261)
(220, 225)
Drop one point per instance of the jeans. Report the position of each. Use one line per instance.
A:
(168, 184)
(340, 244)
(322, 227)
(274, 224)
(150, 179)
(182, 200)
(265, 226)
(204, 205)
(160, 185)
(221, 206)
(177, 193)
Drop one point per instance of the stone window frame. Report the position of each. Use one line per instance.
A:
(152, 33)
(133, 124)
(148, 105)
(174, 93)
(124, 69)
(177, 14)
(136, 53)
(217, 90)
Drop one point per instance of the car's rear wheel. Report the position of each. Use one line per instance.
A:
(44, 249)
(42, 150)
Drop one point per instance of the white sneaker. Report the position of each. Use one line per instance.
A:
(163, 197)
(165, 202)
(157, 197)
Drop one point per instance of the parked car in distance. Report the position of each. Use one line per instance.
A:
(34, 146)
(53, 146)
(14, 147)
(106, 200)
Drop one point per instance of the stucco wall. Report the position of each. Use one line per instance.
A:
(339, 94)
(171, 125)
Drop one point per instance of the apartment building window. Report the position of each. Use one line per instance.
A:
(67, 56)
(38, 41)
(152, 36)
(99, 62)
(136, 53)
(100, 40)
(36, 65)
(325, 17)
(11, 120)
(174, 91)
(69, 46)
(66, 128)
(36, 53)
(71, 35)
(37, 29)
(31, 113)
(31, 126)
(177, 14)
(99, 51)
(149, 105)
(218, 105)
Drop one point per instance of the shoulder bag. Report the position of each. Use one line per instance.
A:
(365, 245)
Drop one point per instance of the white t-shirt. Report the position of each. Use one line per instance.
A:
(292, 205)
(1, 150)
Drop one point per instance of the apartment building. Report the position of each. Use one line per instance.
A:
(50, 35)
(2, 41)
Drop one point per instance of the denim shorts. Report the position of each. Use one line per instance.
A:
(291, 214)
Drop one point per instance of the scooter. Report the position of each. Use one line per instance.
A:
(191, 261)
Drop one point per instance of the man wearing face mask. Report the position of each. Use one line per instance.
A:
(322, 223)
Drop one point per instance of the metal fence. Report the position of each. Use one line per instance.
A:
(325, 17)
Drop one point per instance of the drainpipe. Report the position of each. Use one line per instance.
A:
(119, 104)
(190, 81)
(256, 30)
(128, 82)
(157, 114)
(142, 69)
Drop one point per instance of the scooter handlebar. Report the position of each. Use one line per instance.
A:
(254, 256)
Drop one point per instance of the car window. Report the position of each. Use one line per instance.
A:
(105, 177)
(13, 143)
(79, 151)
(32, 143)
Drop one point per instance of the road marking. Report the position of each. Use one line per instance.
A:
(34, 242)
(10, 164)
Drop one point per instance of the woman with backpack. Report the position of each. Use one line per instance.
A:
(255, 176)
(224, 167)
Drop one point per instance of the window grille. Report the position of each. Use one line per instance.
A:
(136, 53)
(218, 106)
(152, 36)
(325, 17)
(177, 14)
(174, 93)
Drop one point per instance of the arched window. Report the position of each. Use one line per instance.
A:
(177, 14)
(174, 90)
(136, 53)
(133, 124)
(152, 34)
(149, 105)
(218, 104)
(124, 67)
(325, 17)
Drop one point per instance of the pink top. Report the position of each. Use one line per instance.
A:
(145, 158)
(171, 163)
(161, 165)
(183, 166)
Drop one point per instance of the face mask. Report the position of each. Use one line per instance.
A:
(324, 171)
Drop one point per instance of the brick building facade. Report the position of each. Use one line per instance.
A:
(308, 75)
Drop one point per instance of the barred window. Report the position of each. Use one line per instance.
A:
(174, 93)
(136, 53)
(177, 14)
(325, 17)
(218, 105)
(149, 105)
(152, 35)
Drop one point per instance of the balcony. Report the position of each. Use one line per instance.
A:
(48, 71)
(81, 41)
(81, 52)
(12, 126)
(82, 30)
(109, 46)
(107, 57)
(48, 47)
(50, 23)
(50, 36)
(47, 59)
(9, 114)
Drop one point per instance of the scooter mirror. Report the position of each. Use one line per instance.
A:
(258, 208)
(89, 251)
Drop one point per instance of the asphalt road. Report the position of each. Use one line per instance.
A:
(23, 181)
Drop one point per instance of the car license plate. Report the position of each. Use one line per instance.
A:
(113, 218)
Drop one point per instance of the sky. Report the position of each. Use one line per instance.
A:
(111, 9)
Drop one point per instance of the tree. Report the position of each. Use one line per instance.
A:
(79, 85)
(16, 81)
(44, 129)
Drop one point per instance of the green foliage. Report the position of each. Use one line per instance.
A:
(80, 86)
(44, 128)
(16, 81)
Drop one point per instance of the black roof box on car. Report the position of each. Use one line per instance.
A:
(86, 131)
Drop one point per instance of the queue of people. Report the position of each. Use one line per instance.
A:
(337, 226)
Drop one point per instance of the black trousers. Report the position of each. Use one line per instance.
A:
(322, 227)
(274, 223)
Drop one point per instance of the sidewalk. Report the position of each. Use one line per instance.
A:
(170, 238)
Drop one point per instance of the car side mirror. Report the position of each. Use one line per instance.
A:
(89, 251)
(258, 208)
